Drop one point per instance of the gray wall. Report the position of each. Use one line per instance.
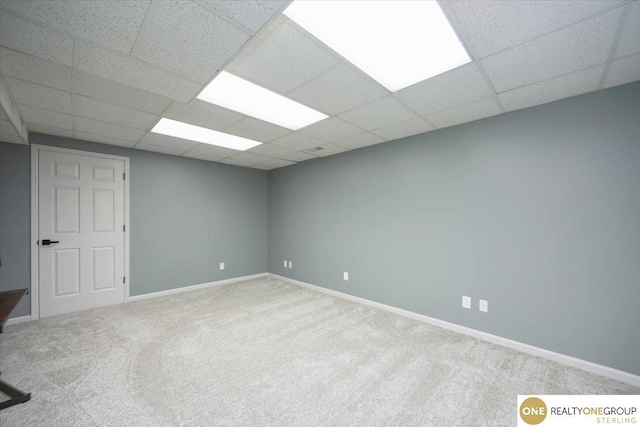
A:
(15, 222)
(187, 215)
(536, 211)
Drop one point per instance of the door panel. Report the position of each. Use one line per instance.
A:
(80, 205)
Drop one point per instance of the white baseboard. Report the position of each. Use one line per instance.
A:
(194, 287)
(594, 368)
(16, 320)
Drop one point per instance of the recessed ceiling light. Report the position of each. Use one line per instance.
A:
(398, 43)
(245, 97)
(204, 135)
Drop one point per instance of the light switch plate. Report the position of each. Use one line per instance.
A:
(222, 266)
(285, 263)
(346, 276)
(466, 302)
(290, 264)
(484, 306)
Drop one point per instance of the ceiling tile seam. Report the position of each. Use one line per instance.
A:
(224, 17)
(344, 139)
(238, 52)
(144, 28)
(342, 60)
(579, 21)
(459, 28)
(138, 61)
(155, 122)
(600, 64)
(99, 46)
(624, 18)
(38, 58)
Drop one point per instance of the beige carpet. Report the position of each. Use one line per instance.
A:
(264, 352)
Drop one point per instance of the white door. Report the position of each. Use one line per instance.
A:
(81, 232)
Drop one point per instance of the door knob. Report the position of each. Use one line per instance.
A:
(47, 242)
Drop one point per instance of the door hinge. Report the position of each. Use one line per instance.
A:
(124, 228)
(124, 279)
(124, 176)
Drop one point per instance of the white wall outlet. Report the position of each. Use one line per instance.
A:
(345, 276)
(290, 264)
(285, 263)
(484, 306)
(466, 302)
(222, 266)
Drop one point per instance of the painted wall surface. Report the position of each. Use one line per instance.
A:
(536, 211)
(187, 216)
(15, 224)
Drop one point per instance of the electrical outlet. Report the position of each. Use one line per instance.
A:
(290, 264)
(484, 306)
(466, 302)
(222, 266)
(285, 263)
(345, 276)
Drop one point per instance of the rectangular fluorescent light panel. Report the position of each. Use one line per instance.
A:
(398, 43)
(206, 136)
(245, 97)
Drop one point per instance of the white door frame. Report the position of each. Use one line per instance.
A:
(35, 280)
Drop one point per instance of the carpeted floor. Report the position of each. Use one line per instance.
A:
(264, 352)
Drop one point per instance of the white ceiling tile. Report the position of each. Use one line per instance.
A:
(629, 42)
(381, 113)
(200, 156)
(112, 24)
(623, 71)
(117, 93)
(282, 58)
(299, 157)
(338, 90)
(359, 141)
(3, 115)
(270, 150)
(159, 149)
(552, 90)
(252, 14)
(35, 70)
(404, 129)
(495, 25)
(297, 141)
(577, 47)
(456, 87)
(273, 164)
(232, 161)
(475, 110)
(126, 70)
(45, 117)
(26, 93)
(203, 114)
(168, 141)
(189, 40)
(6, 128)
(327, 150)
(331, 129)
(36, 40)
(111, 113)
(104, 140)
(250, 158)
(99, 128)
(257, 130)
(49, 130)
(214, 150)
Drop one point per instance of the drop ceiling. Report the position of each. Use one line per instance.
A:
(107, 72)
